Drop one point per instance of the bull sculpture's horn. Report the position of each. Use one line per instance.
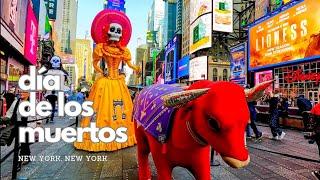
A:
(178, 99)
(256, 92)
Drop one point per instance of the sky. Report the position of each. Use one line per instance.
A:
(137, 11)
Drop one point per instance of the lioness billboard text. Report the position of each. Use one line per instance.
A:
(287, 37)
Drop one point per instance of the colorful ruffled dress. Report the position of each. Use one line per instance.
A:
(111, 99)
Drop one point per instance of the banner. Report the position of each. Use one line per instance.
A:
(116, 5)
(172, 54)
(264, 76)
(290, 36)
(31, 36)
(52, 8)
(261, 8)
(200, 33)
(183, 66)
(199, 8)
(238, 64)
(223, 16)
(198, 69)
(13, 13)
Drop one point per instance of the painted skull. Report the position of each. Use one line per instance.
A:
(115, 32)
(55, 62)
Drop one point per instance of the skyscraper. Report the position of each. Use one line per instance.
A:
(66, 26)
(179, 17)
(185, 28)
(169, 21)
(155, 19)
(83, 57)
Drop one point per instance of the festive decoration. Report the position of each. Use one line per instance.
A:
(182, 136)
(112, 103)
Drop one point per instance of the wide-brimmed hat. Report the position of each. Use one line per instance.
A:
(101, 24)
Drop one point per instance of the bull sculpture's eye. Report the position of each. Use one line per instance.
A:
(214, 124)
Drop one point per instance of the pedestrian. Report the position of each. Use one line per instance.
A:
(20, 121)
(274, 103)
(10, 96)
(52, 98)
(284, 106)
(304, 105)
(253, 118)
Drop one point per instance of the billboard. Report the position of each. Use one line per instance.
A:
(222, 16)
(183, 66)
(288, 37)
(172, 54)
(263, 76)
(31, 41)
(261, 8)
(238, 64)
(52, 8)
(275, 4)
(199, 8)
(13, 13)
(198, 68)
(116, 5)
(200, 33)
(159, 72)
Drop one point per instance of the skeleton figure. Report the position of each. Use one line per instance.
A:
(115, 32)
(55, 62)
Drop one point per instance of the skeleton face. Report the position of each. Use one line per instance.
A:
(55, 62)
(115, 32)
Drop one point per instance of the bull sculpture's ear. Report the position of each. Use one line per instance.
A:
(257, 92)
(179, 99)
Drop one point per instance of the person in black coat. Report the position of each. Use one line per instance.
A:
(274, 103)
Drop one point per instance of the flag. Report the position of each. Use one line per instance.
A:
(47, 28)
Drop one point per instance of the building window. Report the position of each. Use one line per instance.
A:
(225, 75)
(308, 87)
(215, 74)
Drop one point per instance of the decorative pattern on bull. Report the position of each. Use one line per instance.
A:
(205, 114)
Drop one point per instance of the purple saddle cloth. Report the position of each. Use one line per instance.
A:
(150, 112)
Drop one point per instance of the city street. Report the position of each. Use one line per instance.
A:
(123, 164)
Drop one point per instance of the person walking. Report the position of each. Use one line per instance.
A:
(276, 131)
(253, 118)
(52, 98)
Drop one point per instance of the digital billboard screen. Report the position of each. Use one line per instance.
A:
(223, 16)
(238, 64)
(200, 33)
(199, 8)
(198, 68)
(263, 76)
(183, 66)
(288, 37)
(261, 8)
(172, 54)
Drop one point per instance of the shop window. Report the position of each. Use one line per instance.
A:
(225, 75)
(215, 74)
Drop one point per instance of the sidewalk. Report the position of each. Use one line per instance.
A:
(123, 164)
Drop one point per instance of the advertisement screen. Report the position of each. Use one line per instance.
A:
(238, 64)
(223, 15)
(290, 36)
(172, 54)
(159, 70)
(263, 76)
(170, 66)
(13, 13)
(183, 67)
(31, 41)
(198, 68)
(261, 8)
(198, 8)
(200, 33)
